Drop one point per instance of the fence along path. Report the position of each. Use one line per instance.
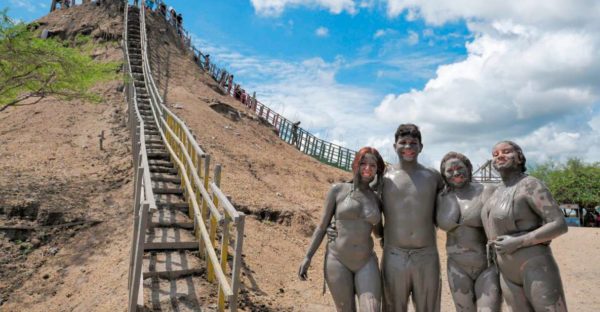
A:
(178, 207)
(326, 152)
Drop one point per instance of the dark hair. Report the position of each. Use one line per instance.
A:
(368, 150)
(410, 130)
(519, 151)
(460, 157)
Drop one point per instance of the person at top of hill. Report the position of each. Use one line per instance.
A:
(207, 62)
(172, 16)
(162, 9)
(150, 4)
(179, 23)
(473, 280)
(520, 219)
(410, 262)
(63, 4)
(350, 266)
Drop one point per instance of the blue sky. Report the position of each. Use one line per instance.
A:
(468, 73)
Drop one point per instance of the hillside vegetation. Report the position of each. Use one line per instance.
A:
(32, 67)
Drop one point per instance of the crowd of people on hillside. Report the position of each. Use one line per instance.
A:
(169, 14)
(65, 4)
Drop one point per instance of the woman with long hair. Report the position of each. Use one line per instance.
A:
(351, 266)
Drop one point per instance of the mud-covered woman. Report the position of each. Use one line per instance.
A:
(351, 266)
(520, 219)
(473, 281)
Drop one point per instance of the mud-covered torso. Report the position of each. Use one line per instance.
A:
(507, 212)
(460, 215)
(409, 207)
(355, 215)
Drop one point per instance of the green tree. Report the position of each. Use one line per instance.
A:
(31, 67)
(574, 182)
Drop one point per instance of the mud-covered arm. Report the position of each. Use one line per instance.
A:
(447, 212)
(439, 191)
(321, 229)
(543, 204)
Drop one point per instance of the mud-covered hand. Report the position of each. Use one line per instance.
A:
(303, 270)
(331, 232)
(507, 244)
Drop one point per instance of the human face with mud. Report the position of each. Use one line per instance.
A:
(351, 267)
(473, 283)
(408, 148)
(410, 263)
(520, 219)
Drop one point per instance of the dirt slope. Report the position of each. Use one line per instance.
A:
(74, 198)
(84, 267)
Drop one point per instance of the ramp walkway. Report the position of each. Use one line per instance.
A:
(188, 238)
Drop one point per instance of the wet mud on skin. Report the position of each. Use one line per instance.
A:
(522, 218)
(473, 283)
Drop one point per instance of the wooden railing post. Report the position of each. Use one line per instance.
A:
(213, 221)
(224, 255)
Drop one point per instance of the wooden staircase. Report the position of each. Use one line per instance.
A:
(171, 266)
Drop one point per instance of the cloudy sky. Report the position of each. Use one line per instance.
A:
(469, 73)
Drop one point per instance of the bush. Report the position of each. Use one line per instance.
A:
(575, 182)
(31, 67)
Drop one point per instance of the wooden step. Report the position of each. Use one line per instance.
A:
(166, 178)
(158, 238)
(162, 190)
(181, 206)
(171, 218)
(155, 169)
(171, 264)
(186, 294)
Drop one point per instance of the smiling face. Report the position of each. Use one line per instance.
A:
(368, 168)
(407, 148)
(456, 172)
(505, 157)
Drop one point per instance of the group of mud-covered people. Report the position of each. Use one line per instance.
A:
(497, 243)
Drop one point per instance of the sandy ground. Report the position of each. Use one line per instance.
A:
(279, 188)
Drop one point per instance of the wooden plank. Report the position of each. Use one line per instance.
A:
(161, 190)
(171, 246)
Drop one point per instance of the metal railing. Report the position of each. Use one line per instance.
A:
(325, 151)
(209, 207)
(486, 174)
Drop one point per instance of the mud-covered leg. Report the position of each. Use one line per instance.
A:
(543, 286)
(461, 288)
(340, 281)
(426, 290)
(396, 281)
(368, 286)
(487, 291)
(514, 296)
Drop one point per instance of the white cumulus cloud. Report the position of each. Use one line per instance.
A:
(276, 7)
(532, 74)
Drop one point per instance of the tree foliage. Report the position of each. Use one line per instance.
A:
(574, 182)
(31, 67)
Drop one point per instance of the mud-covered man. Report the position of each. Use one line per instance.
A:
(410, 263)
